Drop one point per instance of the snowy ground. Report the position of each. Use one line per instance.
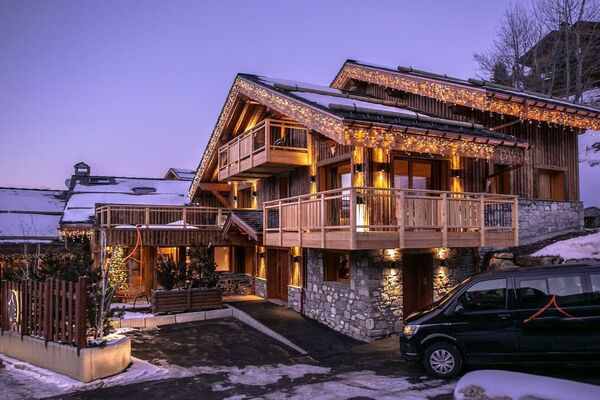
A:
(23, 381)
(581, 247)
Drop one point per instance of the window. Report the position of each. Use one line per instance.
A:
(336, 267)
(417, 174)
(485, 296)
(595, 278)
(534, 293)
(551, 185)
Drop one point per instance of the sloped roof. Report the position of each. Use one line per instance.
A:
(30, 215)
(182, 173)
(80, 206)
(248, 221)
(474, 93)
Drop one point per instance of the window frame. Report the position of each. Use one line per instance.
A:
(586, 290)
(507, 296)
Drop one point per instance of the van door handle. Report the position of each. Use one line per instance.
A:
(503, 316)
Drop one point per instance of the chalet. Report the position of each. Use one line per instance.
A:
(359, 202)
(180, 174)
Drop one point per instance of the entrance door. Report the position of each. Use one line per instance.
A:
(417, 278)
(277, 274)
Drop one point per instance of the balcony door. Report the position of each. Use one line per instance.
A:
(419, 174)
(278, 274)
(337, 209)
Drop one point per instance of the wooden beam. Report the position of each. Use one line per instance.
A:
(220, 187)
(220, 198)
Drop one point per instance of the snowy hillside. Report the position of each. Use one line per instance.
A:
(589, 160)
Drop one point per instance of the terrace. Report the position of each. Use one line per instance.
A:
(380, 218)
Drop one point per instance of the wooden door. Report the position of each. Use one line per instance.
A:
(277, 274)
(417, 280)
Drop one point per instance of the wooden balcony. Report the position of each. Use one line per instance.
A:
(160, 225)
(269, 148)
(376, 218)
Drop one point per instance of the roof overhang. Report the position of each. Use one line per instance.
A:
(350, 132)
(465, 94)
(233, 221)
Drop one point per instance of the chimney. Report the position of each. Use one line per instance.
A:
(81, 169)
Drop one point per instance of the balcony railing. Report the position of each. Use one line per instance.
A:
(115, 216)
(269, 147)
(379, 218)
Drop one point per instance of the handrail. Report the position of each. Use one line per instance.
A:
(159, 216)
(363, 210)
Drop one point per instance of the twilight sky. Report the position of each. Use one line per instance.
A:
(135, 87)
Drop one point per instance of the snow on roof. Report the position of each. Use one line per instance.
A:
(574, 249)
(37, 200)
(82, 202)
(30, 215)
(184, 174)
(20, 226)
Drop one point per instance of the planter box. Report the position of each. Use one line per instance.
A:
(91, 363)
(172, 301)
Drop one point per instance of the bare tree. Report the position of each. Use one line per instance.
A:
(517, 33)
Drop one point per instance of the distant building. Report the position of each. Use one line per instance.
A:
(181, 174)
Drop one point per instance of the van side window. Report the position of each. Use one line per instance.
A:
(595, 278)
(485, 296)
(536, 292)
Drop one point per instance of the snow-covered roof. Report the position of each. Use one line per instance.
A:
(81, 204)
(182, 173)
(30, 215)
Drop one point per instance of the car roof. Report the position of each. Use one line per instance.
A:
(543, 269)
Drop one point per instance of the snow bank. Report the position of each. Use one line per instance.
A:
(516, 385)
(574, 249)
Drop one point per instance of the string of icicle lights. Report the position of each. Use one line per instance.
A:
(474, 98)
(335, 128)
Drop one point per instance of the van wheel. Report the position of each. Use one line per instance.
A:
(442, 360)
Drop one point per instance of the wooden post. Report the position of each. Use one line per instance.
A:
(401, 222)
(80, 312)
(352, 218)
(184, 217)
(444, 220)
(482, 221)
(515, 220)
(299, 222)
(48, 310)
(220, 216)
(108, 212)
(24, 307)
(322, 221)
(147, 217)
(280, 229)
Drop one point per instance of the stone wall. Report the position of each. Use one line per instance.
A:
(543, 219)
(295, 298)
(370, 306)
(260, 287)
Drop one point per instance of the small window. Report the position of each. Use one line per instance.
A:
(144, 190)
(536, 293)
(336, 267)
(595, 278)
(485, 296)
(551, 185)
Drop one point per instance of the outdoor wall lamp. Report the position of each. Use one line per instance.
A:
(456, 173)
(313, 178)
(254, 193)
(357, 168)
(296, 259)
(261, 254)
(382, 167)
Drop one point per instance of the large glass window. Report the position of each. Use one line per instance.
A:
(417, 174)
(485, 296)
(536, 292)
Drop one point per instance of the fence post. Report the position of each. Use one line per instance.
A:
(352, 217)
(47, 310)
(4, 309)
(482, 221)
(444, 220)
(24, 317)
(147, 217)
(80, 313)
(515, 220)
(401, 213)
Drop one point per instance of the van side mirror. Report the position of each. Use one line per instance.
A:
(459, 308)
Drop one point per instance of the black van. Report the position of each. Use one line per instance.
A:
(534, 314)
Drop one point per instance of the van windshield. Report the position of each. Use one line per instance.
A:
(444, 299)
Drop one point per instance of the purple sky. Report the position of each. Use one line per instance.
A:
(135, 87)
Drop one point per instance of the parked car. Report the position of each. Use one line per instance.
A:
(535, 314)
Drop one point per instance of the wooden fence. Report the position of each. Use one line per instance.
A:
(53, 310)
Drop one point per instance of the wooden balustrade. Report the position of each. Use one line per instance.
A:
(160, 217)
(374, 218)
(270, 143)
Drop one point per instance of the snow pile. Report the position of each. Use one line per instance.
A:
(516, 386)
(574, 249)
(366, 384)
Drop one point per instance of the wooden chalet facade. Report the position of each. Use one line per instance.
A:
(360, 202)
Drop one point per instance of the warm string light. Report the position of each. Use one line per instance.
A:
(76, 233)
(335, 128)
(476, 98)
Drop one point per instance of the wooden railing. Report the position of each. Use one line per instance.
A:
(371, 218)
(53, 310)
(160, 217)
(276, 141)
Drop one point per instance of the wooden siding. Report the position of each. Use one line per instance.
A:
(554, 147)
